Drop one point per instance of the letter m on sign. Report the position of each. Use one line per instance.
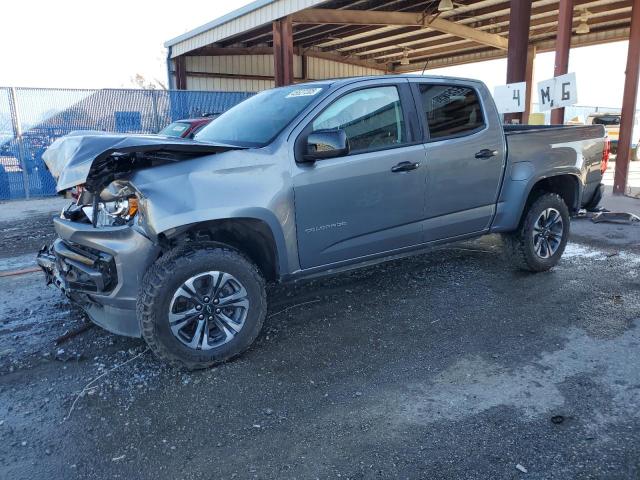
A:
(546, 91)
(545, 96)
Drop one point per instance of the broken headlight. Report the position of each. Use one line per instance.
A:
(117, 205)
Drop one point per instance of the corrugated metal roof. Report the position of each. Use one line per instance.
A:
(255, 14)
(400, 35)
(219, 21)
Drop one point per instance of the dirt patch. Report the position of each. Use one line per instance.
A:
(18, 237)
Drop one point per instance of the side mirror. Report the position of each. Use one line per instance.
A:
(323, 144)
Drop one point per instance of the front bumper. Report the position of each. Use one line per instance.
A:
(101, 270)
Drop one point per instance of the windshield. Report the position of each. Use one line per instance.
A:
(259, 119)
(175, 129)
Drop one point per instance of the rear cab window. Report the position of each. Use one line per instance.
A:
(450, 111)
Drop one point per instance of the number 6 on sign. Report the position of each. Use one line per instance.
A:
(510, 98)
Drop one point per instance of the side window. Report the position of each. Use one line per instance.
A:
(451, 110)
(372, 118)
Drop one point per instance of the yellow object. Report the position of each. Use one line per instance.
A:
(536, 119)
(133, 206)
(613, 131)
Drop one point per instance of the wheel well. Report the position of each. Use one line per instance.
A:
(249, 236)
(564, 185)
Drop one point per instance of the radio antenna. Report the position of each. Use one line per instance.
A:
(425, 66)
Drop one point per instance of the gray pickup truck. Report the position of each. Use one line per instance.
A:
(174, 240)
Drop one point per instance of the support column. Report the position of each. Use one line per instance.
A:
(629, 98)
(519, 22)
(304, 60)
(531, 58)
(283, 52)
(563, 44)
(17, 133)
(181, 72)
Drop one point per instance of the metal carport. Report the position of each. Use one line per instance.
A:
(278, 42)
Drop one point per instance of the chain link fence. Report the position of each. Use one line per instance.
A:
(32, 118)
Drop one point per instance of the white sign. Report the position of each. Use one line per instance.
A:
(304, 92)
(566, 90)
(546, 92)
(510, 98)
(558, 92)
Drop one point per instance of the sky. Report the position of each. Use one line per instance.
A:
(73, 44)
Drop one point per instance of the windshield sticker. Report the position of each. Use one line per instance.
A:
(304, 92)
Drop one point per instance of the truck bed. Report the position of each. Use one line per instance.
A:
(585, 130)
(550, 147)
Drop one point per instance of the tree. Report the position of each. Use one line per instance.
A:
(141, 82)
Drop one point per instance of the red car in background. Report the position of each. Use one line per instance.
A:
(188, 127)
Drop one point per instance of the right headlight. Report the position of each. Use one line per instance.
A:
(117, 205)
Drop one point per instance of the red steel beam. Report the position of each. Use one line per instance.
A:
(283, 52)
(181, 72)
(563, 44)
(277, 54)
(287, 50)
(519, 23)
(629, 98)
(531, 58)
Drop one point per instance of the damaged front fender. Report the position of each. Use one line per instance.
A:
(248, 185)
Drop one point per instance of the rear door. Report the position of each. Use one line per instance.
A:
(369, 201)
(465, 149)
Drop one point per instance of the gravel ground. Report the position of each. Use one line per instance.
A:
(446, 365)
(18, 237)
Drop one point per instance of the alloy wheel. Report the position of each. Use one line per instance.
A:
(547, 233)
(208, 310)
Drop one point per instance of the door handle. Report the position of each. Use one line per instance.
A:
(486, 153)
(405, 166)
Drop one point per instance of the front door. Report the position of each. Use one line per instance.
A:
(367, 202)
(465, 158)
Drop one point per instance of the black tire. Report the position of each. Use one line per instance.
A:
(519, 245)
(593, 204)
(168, 274)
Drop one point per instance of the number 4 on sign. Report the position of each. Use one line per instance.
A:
(510, 98)
(516, 97)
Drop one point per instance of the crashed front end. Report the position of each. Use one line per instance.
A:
(104, 246)
(100, 269)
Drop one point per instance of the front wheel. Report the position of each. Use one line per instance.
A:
(201, 306)
(542, 235)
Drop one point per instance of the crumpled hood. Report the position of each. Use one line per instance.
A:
(70, 158)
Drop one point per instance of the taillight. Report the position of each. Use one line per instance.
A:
(605, 155)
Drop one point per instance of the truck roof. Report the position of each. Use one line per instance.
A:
(347, 80)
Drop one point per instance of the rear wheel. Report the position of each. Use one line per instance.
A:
(542, 236)
(201, 306)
